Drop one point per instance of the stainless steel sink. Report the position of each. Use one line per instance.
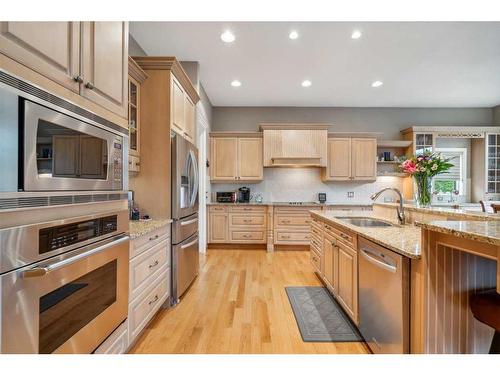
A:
(365, 221)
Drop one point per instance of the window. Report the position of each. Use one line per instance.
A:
(454, 179)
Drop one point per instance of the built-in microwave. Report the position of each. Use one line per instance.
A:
(49, 144)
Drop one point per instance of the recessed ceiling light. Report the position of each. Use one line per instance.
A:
(306, 83)
(377, 83)
(356, 34)
(236, 83)
(227, 36)
(293, 34)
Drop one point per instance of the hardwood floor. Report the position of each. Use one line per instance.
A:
(238, 304)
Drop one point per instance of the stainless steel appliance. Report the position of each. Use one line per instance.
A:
(225, 197)
(63, 283)
(243, 195)
(383, 298)
(49, 144)
(185, 252)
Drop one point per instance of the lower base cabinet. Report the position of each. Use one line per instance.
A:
(339, 263)
(245, 224)
(149, 288)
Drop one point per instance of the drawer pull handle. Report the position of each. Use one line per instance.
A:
(286, 221)
(154, 300)
(247, 221)
(285, 236)
(247, 209)
(153, 238)
(345, 236)
(154, 264)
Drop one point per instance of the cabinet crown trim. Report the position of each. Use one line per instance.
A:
(235, 134)
(169, 63)
(293, 126)
(135, 71)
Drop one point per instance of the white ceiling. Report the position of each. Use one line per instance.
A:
(422, 64)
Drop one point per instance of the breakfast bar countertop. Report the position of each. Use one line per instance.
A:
(139, 228)
(403, 239)
(482, 231)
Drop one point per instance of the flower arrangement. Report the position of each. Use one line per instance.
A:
(423, 168)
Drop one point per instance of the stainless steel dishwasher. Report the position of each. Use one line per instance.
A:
(384, 298)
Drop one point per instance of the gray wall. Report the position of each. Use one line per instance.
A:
(496, 115)
(387, 120)
(134, 49)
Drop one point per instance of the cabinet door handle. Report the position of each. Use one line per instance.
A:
(153, 238)
(152, 265)
(89, 85)
(78, 78)
(153, 300)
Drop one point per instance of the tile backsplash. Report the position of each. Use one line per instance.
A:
(304, 184)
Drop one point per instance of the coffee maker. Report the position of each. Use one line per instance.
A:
(243, 195)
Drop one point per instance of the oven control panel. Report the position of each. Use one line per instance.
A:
(53, 238)
(117, 158)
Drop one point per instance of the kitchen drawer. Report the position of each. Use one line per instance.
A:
(116, 343)
(247, 236)
(317, 244)
(217, 209)
(316, 230)
(315, 260)
(142, 243)
(292, 237)
(261, 209)
(292, 220)
(144, 266)
(344, 236)
(304, 210)
(145, 306)
(253, 219)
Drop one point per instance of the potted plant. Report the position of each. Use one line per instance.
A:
(423, 168)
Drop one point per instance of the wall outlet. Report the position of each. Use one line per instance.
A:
(350, 194)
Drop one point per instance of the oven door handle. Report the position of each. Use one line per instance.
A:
(42, 271)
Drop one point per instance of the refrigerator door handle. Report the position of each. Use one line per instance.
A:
(194, 164)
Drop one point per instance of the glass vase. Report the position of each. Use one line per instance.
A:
(423, 194)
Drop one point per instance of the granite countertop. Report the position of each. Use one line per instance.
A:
(404, 239)
(483, 231)
(139, 228)
(456, 213)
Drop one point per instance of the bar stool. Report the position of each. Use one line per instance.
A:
(485, 307)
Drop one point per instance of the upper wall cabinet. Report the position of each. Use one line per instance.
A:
(88, 58)
(50, 48)
(295, 145)
(351, 159)
(236, 157)
(104, 64)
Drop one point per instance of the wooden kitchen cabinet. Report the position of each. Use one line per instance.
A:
(235, 158)
(364, 159)
(347, 290)
(330, 261)
(218, 222)
(136, 77)
(183, 112)
(105, 64)
(351, 159)
(49, 48)
(223, 159)
(88, 58)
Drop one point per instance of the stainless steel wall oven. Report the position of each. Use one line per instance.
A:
(63, 284)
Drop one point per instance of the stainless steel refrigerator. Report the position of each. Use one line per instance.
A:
(185, 255)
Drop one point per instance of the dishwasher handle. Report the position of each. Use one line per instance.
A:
(369, 256)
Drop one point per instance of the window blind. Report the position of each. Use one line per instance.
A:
(455, 172)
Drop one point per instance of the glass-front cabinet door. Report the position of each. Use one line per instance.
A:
(424, 142)
(133, 114)
(493, 163)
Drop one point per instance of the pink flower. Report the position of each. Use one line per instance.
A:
(409, 166)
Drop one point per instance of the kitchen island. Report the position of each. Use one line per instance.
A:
(448, 262)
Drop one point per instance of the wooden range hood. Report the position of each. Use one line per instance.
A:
(295, 145)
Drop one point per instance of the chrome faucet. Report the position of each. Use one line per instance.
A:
(400, 209)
